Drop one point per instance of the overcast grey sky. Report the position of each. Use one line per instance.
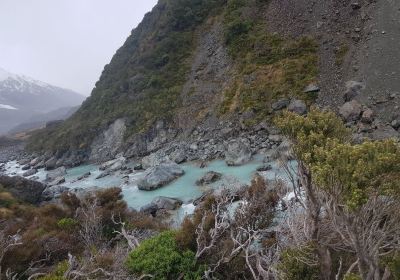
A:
(65, 42)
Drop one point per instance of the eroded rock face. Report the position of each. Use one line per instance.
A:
(238, 152)
(24, 189)
(108, 144)
(160, 175)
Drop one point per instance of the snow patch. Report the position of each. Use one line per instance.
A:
(7, 107)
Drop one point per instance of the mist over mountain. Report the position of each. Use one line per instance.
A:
(22, 97)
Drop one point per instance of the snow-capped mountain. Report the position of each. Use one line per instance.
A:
(22, 97)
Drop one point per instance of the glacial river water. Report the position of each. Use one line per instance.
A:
(183, 188)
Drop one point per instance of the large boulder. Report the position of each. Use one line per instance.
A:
(209, 178)
(24, 189)
(351, 111)
(160, 175)
(238, 152)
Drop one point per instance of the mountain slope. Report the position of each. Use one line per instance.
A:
(198, 67)
(22, 97)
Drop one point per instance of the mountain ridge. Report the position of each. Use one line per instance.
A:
(22, 97)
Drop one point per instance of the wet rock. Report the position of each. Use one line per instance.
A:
(350, 111)
(280, 104)
(30, 173)
(209, 178)
(104, 174)
(23, 189)
(265, 167)
(160, 175)
(167, 203)
(84, 176)
(57, 181)
(138, 166)
(57, 173)
(238, 152)
(298, 106)
(51, 163)
(26, 167)
(150, 209)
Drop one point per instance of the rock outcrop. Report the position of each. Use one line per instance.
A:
(23, 189)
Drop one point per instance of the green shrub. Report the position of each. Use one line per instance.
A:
(352, 276)
(67, 223)
(58, 273)
(293, 264)
(161, 257)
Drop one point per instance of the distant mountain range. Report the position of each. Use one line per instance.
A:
(25, 100)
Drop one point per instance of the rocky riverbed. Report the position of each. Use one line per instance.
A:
(158, 182)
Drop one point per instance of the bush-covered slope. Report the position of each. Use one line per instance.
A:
(145, 81)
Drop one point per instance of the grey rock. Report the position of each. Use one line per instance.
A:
(265, 167)
(280, 104)
(298, 106)
(56, 173)
(355, 6)
(209, 178)
(108, 144)
(138, 166)
(160, 175)
(150, 209)
(153, 159)
(238, 152)
(367, 116)
(353, 88)
(30, 173)
(84, 176)
(26, 167)
(57, 181)
(166, 203)
(350, 111)
(395, 124)
(24, 189)
(104, 174)
(51, 163)
(311, 88)
(53, 192)
(178, 156)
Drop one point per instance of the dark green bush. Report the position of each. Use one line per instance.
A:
(161, 257)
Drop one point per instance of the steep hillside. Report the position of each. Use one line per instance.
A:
(22, 97)
(194, 68)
